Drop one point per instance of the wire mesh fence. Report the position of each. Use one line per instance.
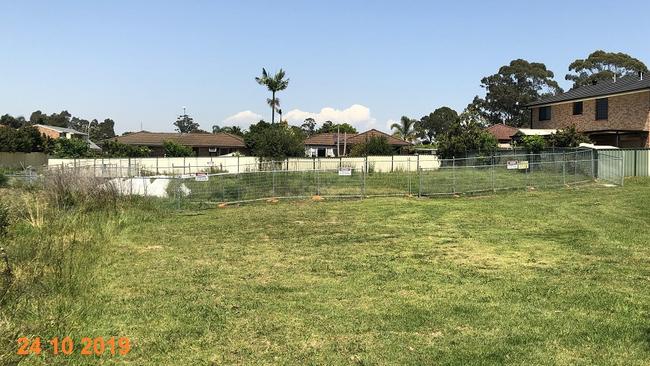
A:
(369, 177)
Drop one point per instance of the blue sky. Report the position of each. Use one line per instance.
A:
(363, 62)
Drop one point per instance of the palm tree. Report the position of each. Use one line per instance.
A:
(274, 84)
(405, 129)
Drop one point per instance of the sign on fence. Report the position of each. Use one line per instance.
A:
(512, 164)
(523, 164)
(345, 172)
(201, 177)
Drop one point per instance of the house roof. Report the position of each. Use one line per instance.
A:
(62, 129)
(535, 131)
(502, 131)
(145, 138)
(625, 84)
(330, 139)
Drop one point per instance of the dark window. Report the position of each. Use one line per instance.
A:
(602, 108)
(544, 113)
(577, 108)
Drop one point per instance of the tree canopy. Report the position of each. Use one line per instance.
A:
(431, 126)
(24, 139)
(275, 141)
(331, 127)
(405, 129)
(185, 124)
(601, 65)
(461, 139)
(375, 145)
(274, 84)
(513, 87)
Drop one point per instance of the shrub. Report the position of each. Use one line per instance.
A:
(175, 150)
(462, 138)
(3, 180)
(533, 144)
(116, 149)
(375, 145)
(72, 148)
(274, 141)
(568, 137)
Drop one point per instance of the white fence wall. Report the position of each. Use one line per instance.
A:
(234, 164)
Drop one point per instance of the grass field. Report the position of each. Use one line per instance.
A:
(443, 181)
(555, 277)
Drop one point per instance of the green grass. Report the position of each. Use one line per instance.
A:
(551, 277)
(259, 185)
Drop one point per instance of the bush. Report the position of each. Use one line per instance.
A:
(116, 149)
(375, 145)
(274, 141)
(3, 180)
(25, 139)
(568, 137)
(533, 144)
(72, 148)
(68, 188)
(175, 150)
(463, 138)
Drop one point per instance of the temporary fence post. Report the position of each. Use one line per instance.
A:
(622, 169)
(635, 158)
(318, 182)
(408, 165)
(417, 165)
(273, 178)
(575, 166)
(392, 162)
(237, 164)
(453, 174)
(365, 174)
(492, 172)
(563, 170)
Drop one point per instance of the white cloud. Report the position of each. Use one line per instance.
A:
(242, 119)
(357, 115)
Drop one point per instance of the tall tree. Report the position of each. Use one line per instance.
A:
(405, 129)
(185, 124)
(601, 65)
(308, 127)
(38, 118)
(274, 141)
(461, 139)
(429, 127)
(59, 119)
(331, 127)
(13, 122)
(511, 89)
(274, 84)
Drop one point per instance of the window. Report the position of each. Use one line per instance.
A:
(602, 108)
(577, 108)
(544, 113)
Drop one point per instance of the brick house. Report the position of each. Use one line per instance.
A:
(333, 144)
(203, 144)
(613, 112)
(56, 132)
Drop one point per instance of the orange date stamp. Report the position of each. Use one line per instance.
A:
(98, 346)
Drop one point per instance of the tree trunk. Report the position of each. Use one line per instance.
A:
(273, 109)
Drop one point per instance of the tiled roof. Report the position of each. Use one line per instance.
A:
(624, 84)
(330, 139)
(62, 129)
(144, 138)
(373, 133)
(501, 131)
